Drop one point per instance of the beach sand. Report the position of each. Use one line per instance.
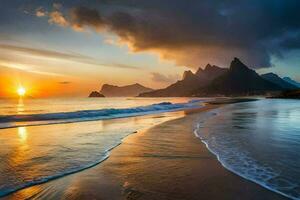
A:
(163, 162)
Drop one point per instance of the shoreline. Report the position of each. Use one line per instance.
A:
(241, 175)
(175, 166)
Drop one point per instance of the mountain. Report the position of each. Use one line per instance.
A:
(96, 94)
(210, 72)
(274, 78)
(189, 83)
(123, 91)
(291, 81)
(182, 87)
(212, 80)
(238, 80)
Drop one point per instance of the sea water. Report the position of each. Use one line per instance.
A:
(28, 112)
(259, 141)
(46, 139)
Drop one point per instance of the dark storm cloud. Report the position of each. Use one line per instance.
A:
(196, 32)
(82, 16)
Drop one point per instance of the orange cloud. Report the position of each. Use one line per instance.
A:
(40, 12)
(57, 17)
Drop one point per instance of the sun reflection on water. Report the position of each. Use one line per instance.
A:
(20, 106)
(22, 133)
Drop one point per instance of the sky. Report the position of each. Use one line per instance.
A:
(69, 47)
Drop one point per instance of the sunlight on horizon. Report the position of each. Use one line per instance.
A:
(21, 91)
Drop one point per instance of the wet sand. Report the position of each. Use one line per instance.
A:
(163, 162)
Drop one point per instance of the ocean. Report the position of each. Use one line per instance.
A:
(44, 139)
(259, 141)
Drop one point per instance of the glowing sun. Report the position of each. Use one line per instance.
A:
(21, 91)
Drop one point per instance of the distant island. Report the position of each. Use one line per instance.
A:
(123, 91)
(238, 80)
(96, 94)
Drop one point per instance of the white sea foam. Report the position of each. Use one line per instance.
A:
(52, 151)
(9, 121)
(245, 145)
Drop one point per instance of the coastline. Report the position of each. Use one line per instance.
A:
(165, 161)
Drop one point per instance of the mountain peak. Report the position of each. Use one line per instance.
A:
(236, 64)
(187, 74)
(207, 67)
(210, 72)
(137, 84)
(271, 74)
(199, 71)
(96, 94)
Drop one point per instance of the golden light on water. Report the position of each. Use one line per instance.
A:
(22, 132)
(21, 91)
(20, 106)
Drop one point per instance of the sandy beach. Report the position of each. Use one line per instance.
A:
(163, 162)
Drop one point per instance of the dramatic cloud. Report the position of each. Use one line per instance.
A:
(157, 77)
(84, 17)
(194, 32)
